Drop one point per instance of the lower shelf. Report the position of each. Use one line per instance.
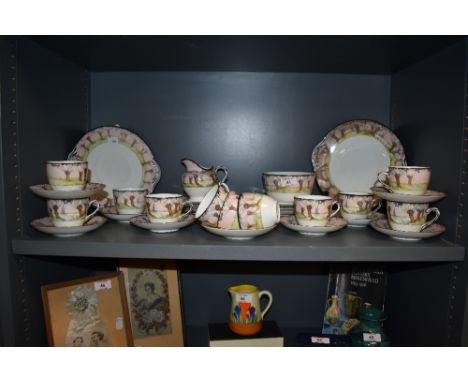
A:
(117, 240)
(197, 336)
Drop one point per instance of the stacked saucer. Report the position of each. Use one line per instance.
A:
(405, 190)
(334, 224)
(68, 200)
(142, 221)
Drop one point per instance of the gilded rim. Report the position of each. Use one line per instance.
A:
(322, 152)
(85, 145)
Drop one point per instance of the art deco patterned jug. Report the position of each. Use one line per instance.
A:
(246, 316)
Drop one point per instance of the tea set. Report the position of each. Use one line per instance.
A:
(68, 196)
(353, 200)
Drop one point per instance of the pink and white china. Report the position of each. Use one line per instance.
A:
(211, 205)
(225, 209)
(166, 207)
(46, 191)
(197, 180)
(67, 175)
(239, 234)
(166, 227)
(70, 212)
(314, 210)
(45, 225)
(410, 217)
(356, 206)
(229, 217)
(258, 211)
(429, 196)
(284, 185)
(129, 201)
(352, 154)
(117, 158)
(409, 180)
(334, 224)
(380, 224)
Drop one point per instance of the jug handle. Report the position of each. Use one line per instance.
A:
(270, 301)
(224, 170)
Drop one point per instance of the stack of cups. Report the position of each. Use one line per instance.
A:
(408, 180)
(69, 176)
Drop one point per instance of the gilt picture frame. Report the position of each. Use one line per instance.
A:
(152, 288)
(90, 311)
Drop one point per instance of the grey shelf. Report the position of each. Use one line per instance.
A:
(198, 336)
(116, 240)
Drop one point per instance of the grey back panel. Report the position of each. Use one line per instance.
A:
(427, 114)
(249, 122)
(53, 114)
(299, 290)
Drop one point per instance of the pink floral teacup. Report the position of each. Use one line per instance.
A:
(67, 175)
(314, 210)
(129, 201)
(166, 208)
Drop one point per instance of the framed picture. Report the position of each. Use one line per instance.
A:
(91, 311)
(152, 288)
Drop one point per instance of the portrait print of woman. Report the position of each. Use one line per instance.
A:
(149, 302)
(152, 289)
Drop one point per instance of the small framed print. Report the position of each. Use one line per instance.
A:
(152, 288)
(91, 311)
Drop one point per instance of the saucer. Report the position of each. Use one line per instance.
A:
(382, 226)
(143, 222)
(428, 197)
(239, 234)
(362, 222)
(46, 191)
(335, 224)
(45, 225)
(358, 223)
(111, 213)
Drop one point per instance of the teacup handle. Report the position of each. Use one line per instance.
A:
(433, 220)
(382, 181)
(270, 301)
(224, 170)
(335, 203)
(225, 186)
(96, 204)
(189, 210)
(377, 203)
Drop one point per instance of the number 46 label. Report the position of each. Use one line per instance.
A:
(372, 337)
(100, 285)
